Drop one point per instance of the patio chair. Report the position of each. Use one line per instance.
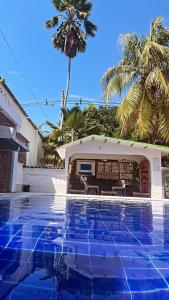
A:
(75, 191)
(121, 189)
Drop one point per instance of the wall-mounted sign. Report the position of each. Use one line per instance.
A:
(115, 170)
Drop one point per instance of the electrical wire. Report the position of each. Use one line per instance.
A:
(70, 102)
(46, 102)
(20, 71)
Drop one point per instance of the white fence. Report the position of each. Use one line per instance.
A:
(45, 180)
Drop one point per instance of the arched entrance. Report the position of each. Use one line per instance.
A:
(112, 176)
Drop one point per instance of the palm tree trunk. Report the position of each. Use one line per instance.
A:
(67, 92)
(68, 82)
(72, 135)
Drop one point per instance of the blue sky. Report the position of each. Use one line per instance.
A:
(22, 22)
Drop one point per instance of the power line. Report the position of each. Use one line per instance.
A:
(20, 71)
(70, 102)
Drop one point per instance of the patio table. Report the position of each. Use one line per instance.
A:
(119, 188)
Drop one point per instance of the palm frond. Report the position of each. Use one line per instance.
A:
(55, 134)
(127, 111)
(97, 129)
(59, 5)
(51, 125)
(118, 84)
(132, 46)
(53, 22)
(75, 120)
(145, 116)
(157, 80)
(158, 32)
(90, 27)
(83, 6)
(113, 71)
(164, 124)
(155, 55)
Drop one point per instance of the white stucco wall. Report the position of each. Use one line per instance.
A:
(23, 126)
(46, 180)
(19, 178)
(35, 146)
(97, 148)
(9, 108)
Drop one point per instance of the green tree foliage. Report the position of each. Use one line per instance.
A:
(74, 127)
(50, 142)
(144, 73)
(105, 116)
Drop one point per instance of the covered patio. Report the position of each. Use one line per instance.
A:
(113, 167)
(113, 175)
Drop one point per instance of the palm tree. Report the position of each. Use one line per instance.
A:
(75, 124)
(144, 72)
(74, 127)
(50, 142)
(73, 28)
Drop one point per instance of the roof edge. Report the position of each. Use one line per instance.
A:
(101, 137)
(20, 107)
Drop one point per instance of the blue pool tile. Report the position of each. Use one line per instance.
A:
(155, 250)
(137, 263)
(103, 249)
(110, 267)
(151, 295)
(47, 246)
(29, 234)
(112, 296)
(161, 260)
(165, 274)
(23, 292)
(77, 248)
(124, 238)
(84, 250)
(145, 279)
(131, 250)
(110, 286)
(77, 237)
(42, 276)
(23, 243)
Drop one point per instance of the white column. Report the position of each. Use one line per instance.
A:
(156, 177)
(14, 172)
(67, 157)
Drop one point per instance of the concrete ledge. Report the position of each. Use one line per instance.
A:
(85, 197)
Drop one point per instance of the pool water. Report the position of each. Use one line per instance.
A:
(79, 249)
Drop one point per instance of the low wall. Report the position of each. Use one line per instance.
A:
(18, 178)
(46, 180)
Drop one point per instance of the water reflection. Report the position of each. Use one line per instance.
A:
(79, 249)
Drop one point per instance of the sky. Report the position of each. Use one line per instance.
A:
(45, 69)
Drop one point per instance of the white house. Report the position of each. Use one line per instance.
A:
(20, 142)
(113, 167)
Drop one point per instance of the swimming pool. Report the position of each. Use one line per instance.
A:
(79, 249)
